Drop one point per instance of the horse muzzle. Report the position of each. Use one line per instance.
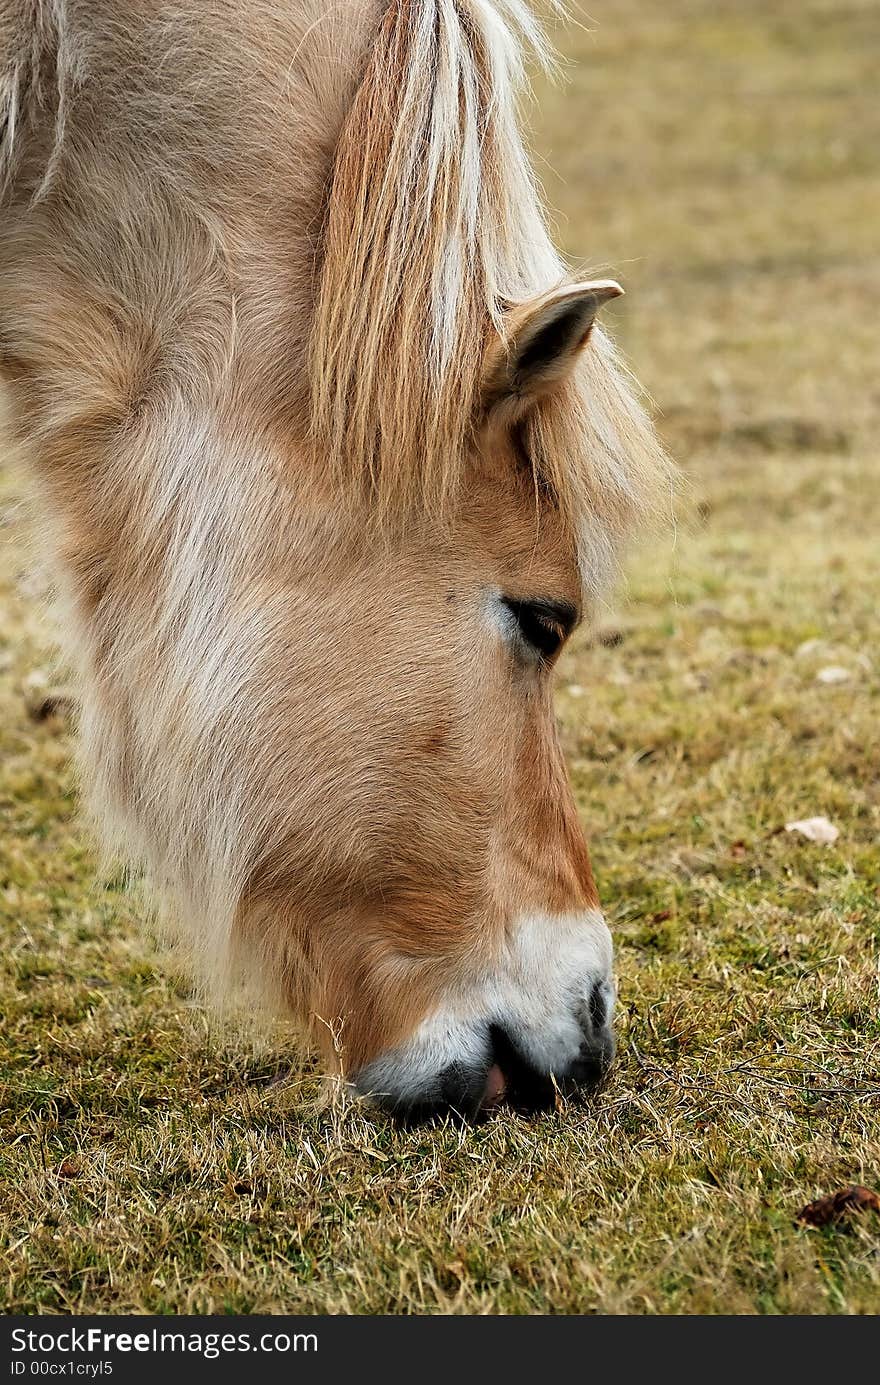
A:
(535, 1027)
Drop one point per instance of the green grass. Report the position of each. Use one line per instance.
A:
(721, 157)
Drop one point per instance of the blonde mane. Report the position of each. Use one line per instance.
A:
(434, 228)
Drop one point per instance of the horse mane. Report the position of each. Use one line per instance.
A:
(434, 227)
(430, 228)
(41, 66)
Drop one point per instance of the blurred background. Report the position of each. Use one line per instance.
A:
(721, 159)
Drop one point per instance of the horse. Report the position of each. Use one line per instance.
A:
(330, 457)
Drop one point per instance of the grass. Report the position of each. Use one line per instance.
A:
(722, 157)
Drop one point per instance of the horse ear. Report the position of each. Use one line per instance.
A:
(541, 342)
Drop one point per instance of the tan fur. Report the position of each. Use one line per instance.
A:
(251, 257)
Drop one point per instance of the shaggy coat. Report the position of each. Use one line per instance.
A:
(318, 423)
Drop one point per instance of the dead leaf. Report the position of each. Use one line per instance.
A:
(834, 1206)
(815, 830)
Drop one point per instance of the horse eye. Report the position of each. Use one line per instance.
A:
(542, 625)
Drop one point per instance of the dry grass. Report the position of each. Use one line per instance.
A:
(723, 158)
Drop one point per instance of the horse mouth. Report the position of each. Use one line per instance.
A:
(491, 1064)
(515, 1082)
(510, 1082)
(496, 1088)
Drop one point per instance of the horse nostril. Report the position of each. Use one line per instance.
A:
(598, 1007)
(590, 1066)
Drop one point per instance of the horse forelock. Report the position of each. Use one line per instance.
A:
(422, 243)
(434, 226)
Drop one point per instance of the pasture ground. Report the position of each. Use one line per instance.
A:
(722, 157)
